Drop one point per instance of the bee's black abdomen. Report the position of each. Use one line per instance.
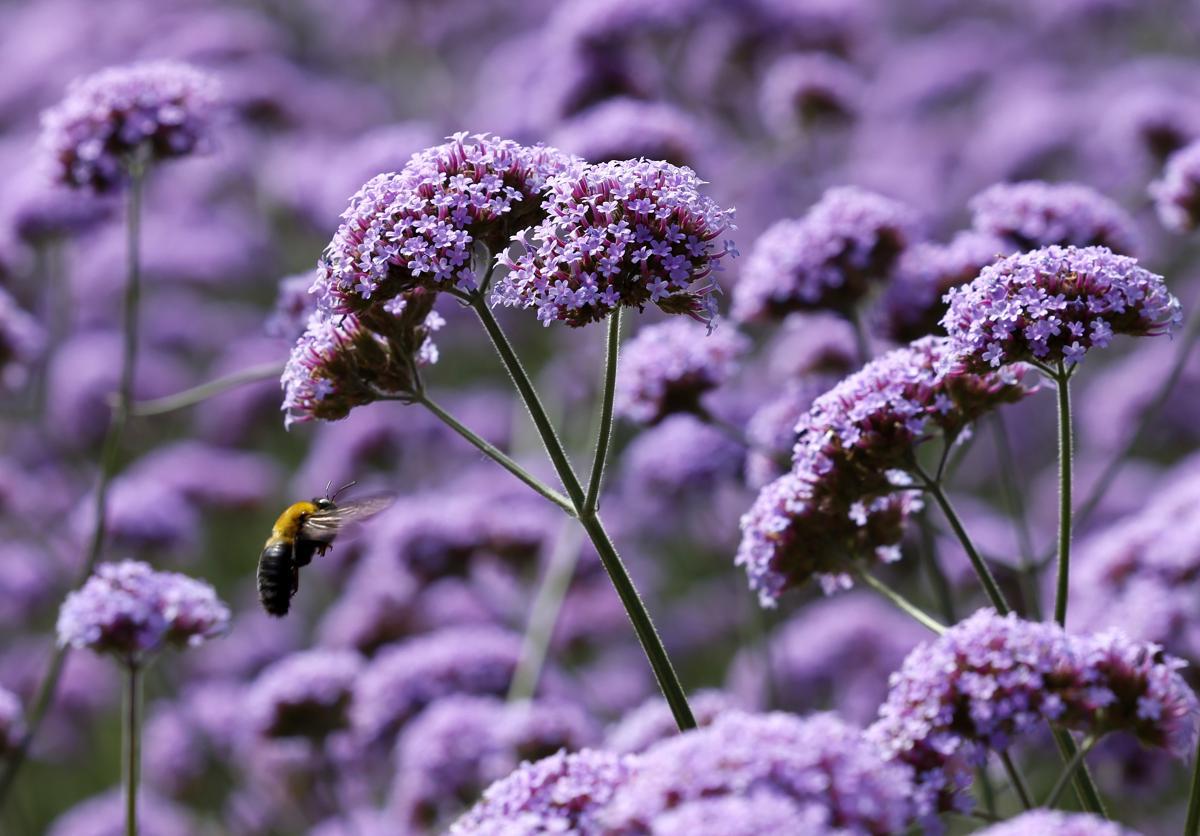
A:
(277, 578)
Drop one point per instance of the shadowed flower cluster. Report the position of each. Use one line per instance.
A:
(305, 694)
(626, 233)
(124, 116)
(1037, 214)
(1055, 304)
(131, 611)
(990, 679)
(846, 496)
(1177, 194)
(667, 367)
(21, 341)
(830, 258)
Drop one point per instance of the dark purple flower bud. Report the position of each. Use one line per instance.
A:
(132, 611)
(990, 679)
(559, 794)
(622, 233)
(418, 228)
(340, 362)
(22, 341)
(667, 367)
(121, 116)
(830, 258)
(1056, 823)
(1177, 193)
(817, 760)
(912, 305)
(1037, 214)
(803, 90)
(1054, 305)
(306, 694)
(628, 129)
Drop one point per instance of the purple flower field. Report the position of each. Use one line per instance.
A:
(600, 418)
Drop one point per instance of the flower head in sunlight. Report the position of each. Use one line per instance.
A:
(1037, 214)
(1177, 193)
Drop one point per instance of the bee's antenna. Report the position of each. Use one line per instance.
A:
(340, 490)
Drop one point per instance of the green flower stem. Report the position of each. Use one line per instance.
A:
(994, 593)
(1068, 772)
(1017, 782)
(109, 457)
(201, 393)
(652, 644)
(903, 604)
(1192, 827)
(861, 342)
(1027, 569)
(1085, 786)
(494, 453)
(1065, 450)
(560, 569)
(133, 745)
(592, 499)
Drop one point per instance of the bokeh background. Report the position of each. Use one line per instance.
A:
(770, 101)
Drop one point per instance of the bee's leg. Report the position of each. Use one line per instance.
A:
(295, 580)
(303, 553)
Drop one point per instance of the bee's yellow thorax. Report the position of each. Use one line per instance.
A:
(287, 527)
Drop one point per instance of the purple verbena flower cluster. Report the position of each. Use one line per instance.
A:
(131, 611)
(125, 116)
(1177, 193)
(1054, 305)
(305, 694)
(1055, 823)
(667, 367)
(802, 89)
(626, 233)
(1037, 214)
(831, 258)
(991, 679)
(22, 341)
(845, 496)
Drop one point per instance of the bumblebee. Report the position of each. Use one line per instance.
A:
(303, 530)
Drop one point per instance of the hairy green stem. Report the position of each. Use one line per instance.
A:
(592, 499)
(994, 593)
(1065, 451)
(1027, 569)
(1018, 783)
(903, 604)
(494, 453)
(1068, 772)
(133, 745)
(635, 607)
(1085, 786)
(109, 458)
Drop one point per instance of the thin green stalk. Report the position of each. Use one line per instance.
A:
(201, 393)
(560, 569)
(1018, 783)
(933, 568)
(533, 404)
(1085, 786)
(994, 593)
(635, 608)
(496, 454)
(592, 499)
(1027, 569)
(903, 604)
(1068, 772)
(109, 456)
(861, 342)
(1065, 450)
(133, 745)
(1192, 827)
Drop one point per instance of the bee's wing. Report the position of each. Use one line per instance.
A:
(323, 525)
